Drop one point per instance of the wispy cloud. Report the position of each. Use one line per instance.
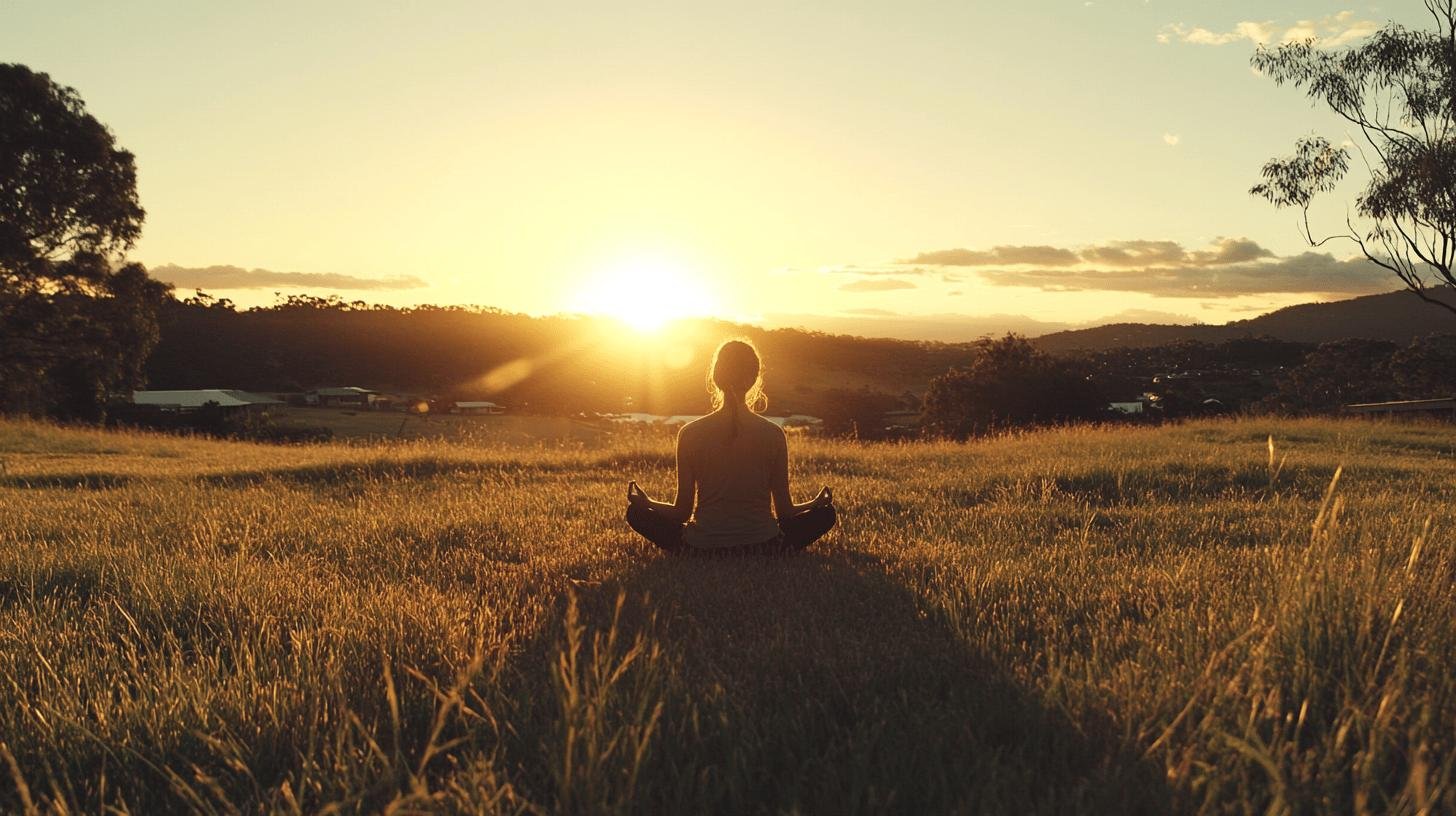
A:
(1328, 32)
(998, 256)
(877, 285)
(1227, 267)
(1310, 272)
(236, 277)
(1149, 253)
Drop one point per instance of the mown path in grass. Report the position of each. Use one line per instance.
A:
(1164, 620)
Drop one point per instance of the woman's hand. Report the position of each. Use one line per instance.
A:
(636, 496)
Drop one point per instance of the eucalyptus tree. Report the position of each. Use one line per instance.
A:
(1397, 91)
(76, 321)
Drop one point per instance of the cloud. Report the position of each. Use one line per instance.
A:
(1135, 253)
(998, 256)
(236, 277)
(1230, 251)
(1225, 268)
(871, 312)
(876, 285)
(1151, 253)
(885, 269)
(1333, 31)
(1150, 316)
(1310, 272)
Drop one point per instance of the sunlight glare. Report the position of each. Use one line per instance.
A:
(644, 293)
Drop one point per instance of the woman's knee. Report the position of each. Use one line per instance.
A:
(828, 517)
(639, 518)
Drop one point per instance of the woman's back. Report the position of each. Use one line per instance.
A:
(733, 457)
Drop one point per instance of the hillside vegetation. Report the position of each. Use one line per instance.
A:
(1179, 619)
(1398, 317)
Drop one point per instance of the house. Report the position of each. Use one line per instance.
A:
(1126, 407)
(476, 407)
(1433, 408)
(179, 402)
(344, 397)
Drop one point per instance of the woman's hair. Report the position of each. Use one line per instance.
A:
(736, 374)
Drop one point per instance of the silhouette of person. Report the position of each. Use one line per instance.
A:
(734, 462)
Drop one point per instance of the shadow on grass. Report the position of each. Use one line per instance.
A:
(392, 470)
(819, 684)
(67, 481)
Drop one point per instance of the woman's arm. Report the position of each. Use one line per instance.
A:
(784, 506)
(682, 507)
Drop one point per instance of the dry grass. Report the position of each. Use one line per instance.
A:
(1081, 620)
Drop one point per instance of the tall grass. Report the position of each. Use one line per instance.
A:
(1240, 615)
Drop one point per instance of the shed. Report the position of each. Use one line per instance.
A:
(476, 407)
(186, 401)
(344, 396)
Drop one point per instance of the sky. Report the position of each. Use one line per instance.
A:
(921, 168)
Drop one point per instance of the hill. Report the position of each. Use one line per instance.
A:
(1396, 316)
(543, 364)
(1172, 620)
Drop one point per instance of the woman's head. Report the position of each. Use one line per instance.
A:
(736, 375)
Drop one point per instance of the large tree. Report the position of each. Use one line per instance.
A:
(76, 323)
(1009, 384)
(1397, 90)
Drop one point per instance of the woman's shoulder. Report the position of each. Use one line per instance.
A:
(693, 431)
(769, 428)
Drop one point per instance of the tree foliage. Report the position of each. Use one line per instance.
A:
(1337, 374)
(1398, 90)
(1009, 383)
(75, 323)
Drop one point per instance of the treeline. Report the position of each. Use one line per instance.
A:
(1009, 383)
(569, 365)
(535, 364)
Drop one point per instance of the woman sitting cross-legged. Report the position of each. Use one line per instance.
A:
(734, 461)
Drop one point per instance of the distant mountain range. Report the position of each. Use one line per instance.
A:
(1397, 316)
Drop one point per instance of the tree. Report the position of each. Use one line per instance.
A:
(76, 324)
(1009, 383)
(1426, 368)
(1398, 89)
(1337, 374)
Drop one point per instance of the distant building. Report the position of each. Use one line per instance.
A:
(1440, 408)
(228, 399)
(476, 407)
(343, 397)
(1127, 407)
(797, 422)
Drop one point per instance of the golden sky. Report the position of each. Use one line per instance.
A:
(860, 163)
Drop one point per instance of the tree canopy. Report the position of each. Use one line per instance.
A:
(1009, 383)
(1398, 90)
(76, 323)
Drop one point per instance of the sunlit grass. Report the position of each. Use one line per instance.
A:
(1079, 620)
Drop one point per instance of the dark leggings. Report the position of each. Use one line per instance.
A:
(796, 533)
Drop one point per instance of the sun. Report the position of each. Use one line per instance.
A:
(646, 293)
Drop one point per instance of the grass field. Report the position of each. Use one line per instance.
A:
(511, 429)
(1161, 620)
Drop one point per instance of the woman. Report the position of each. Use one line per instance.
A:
(734, 461)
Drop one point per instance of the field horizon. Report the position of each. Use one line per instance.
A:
(1232, 615)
